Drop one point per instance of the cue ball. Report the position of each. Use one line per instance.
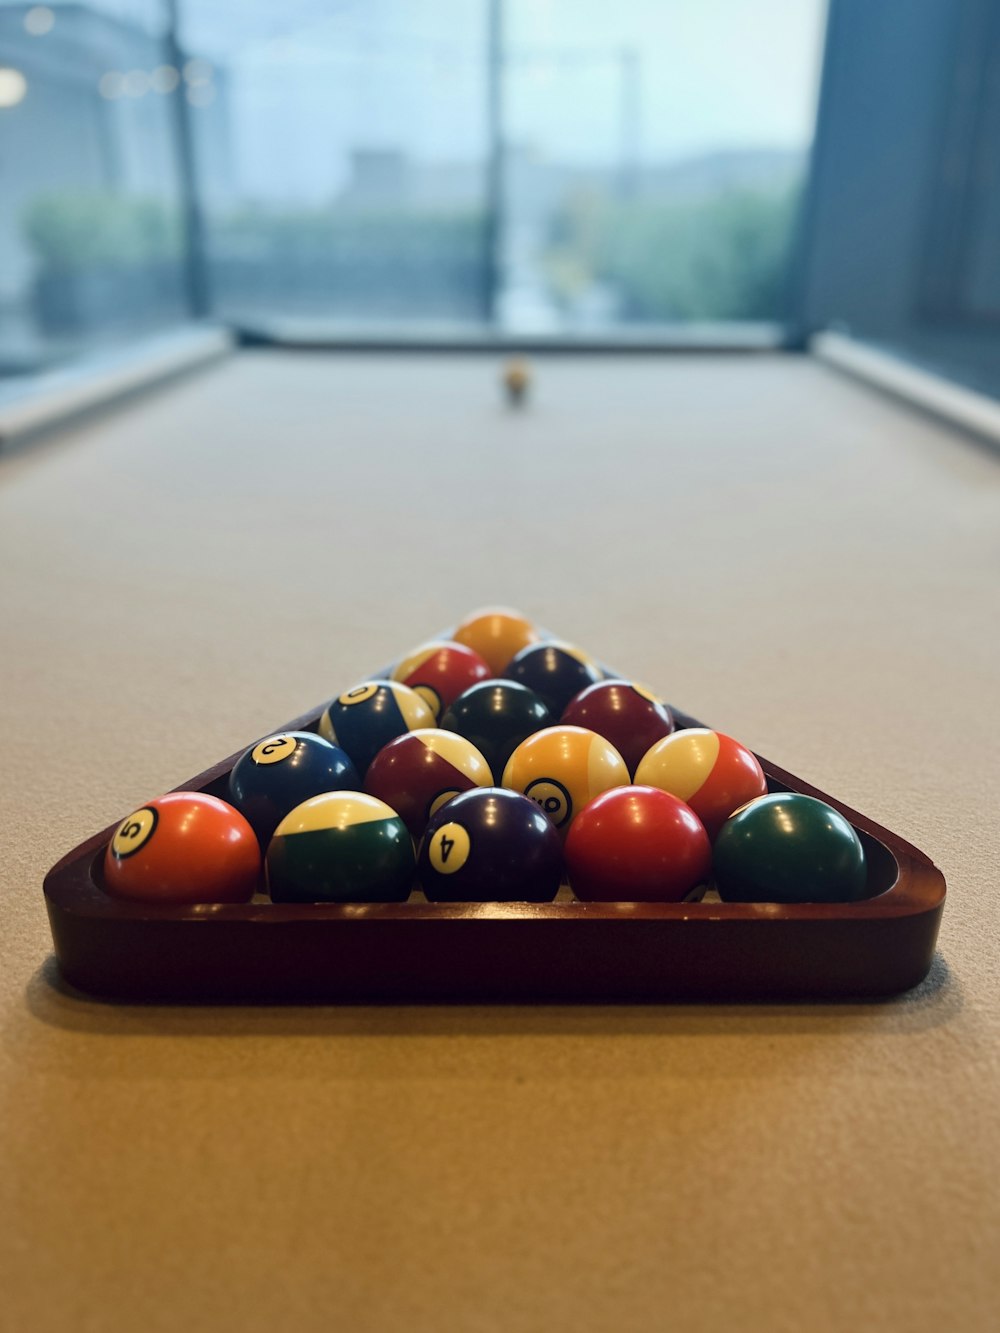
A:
(185, 847)
(556, 671)
(711, 772)
(341, 847)
(789, 848)
(490, 845)
(562, 769)
(282, 771)
(440, 671)
(631, 717)
(637, 844)
(418, 773)
(496, 716)
(363, 719)
(496, 633)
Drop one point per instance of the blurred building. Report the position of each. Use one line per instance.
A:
(95, 122)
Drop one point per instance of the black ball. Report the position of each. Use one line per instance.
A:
(490, 845)
(555, 671)
(496, 716)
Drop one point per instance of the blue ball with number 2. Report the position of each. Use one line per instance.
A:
(281, 771)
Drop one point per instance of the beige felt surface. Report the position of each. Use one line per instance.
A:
(803, 563)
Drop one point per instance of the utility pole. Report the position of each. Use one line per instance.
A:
(192, 221)
(630, 120)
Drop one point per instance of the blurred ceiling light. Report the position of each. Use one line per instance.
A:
(136, 83)
(165, 79)
(203, 94)
(198, 72)
(112, 85)
(13, 86)
(39, 20)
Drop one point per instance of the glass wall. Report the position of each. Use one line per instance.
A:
(342, 158)
(90, 236)
(655, 154)
(528, 166)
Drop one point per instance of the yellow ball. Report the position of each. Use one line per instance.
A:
(562, 769)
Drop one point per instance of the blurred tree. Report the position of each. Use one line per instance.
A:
(721, 256)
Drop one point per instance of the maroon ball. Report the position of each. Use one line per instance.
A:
(417, 773)
(627, 715)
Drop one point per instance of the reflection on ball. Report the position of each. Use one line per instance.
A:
(789, 848)
(370, 715)
(282, 771)
(440, 671)
(490, 845)
(496, 716)
(556, 671)
(496, 633)
(185, 847)
(711, 772)
(637, 844)
(626, 714)
(343, 847)
(418, 773)
(562, 769)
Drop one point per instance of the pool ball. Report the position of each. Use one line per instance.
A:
(496, 633)
(628, 715)
(341, 847)
(516, 381)
(789, 848)
(440, 671)
(562, 769)
(490, 845)
(496, 716)
(282, 771)
(363, 719)
(637, 844)
(711, 772)
(556, 671)
(185, 847)
(417, 773)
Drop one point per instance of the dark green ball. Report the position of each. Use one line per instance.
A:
(789, 848)
(340, 847)
(496, 716)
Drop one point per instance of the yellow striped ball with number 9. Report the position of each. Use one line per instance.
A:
(562, 769)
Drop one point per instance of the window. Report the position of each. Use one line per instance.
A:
(515, 166)
(90, 228)
(342, 159)
(655, 153)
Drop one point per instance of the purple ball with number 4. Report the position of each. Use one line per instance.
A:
(490, 845)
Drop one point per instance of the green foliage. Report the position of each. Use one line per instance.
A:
(70, 231)
(719, 256)
(256, 233)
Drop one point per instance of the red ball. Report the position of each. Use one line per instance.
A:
(440, 671)
(185, 847)
(637, 844)
(626, 714)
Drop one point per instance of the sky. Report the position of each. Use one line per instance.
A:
(310, 79)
